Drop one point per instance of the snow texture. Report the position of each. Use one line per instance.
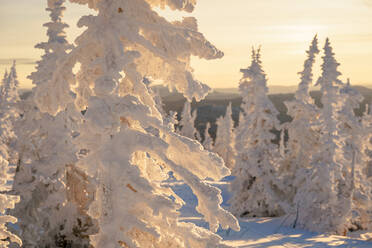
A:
(262, 232)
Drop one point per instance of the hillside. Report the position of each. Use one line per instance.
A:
(214, 105)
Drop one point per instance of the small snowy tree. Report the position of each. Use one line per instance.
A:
(9, 98)
(367, 126)
(364, 198)
(9, 113)
(225, 138)
(7, 110)
(303, 130)
(128, 149)
(351, 127)
(187, 122)
(4, 79)
(9, 88)
(171, 120)
(256, 189)
(208, 141)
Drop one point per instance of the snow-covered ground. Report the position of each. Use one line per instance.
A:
(261, 232)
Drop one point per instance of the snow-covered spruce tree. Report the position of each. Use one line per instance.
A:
(54, 194)
(208, 141)
(171, 120)
(9, 88)
(282, 145)
(6, 109)
(303, 133)
(367, 169)
(351, 126)
(7, 200)
(356, 137)
(9, 97)
(4, 78)
(367, 126)
(256, 188)
(187, 122)
(325, 198)
(9, 112)
(128, 148)
(225, 138)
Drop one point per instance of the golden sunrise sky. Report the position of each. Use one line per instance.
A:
(284, 29)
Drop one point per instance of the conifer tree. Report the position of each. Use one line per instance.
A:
(128, 148)
(208, 141)
(187, 122)
(303, 133)
(171, 120)
(367, 127)
(9, 90)
(225, 138)
(7, 117)
(4, 78)
(355, 136)
(325, 198)
(8, 109)
(54, 193)
(7, 201)
(256, 188)
(351, 126)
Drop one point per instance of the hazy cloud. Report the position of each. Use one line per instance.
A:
(19, 61)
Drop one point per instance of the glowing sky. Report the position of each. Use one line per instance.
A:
(284, 29)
